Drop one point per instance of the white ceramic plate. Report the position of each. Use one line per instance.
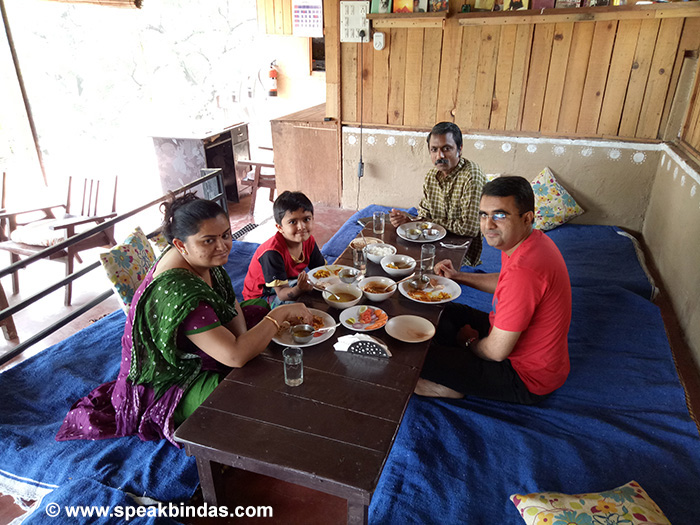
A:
(410, 328)
(443, 284)
(285, 338)
(354, 313)
(401, 231)
(332, 269)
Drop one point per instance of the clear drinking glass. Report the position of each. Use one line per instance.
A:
(378, 219)
(359, 259)
(293, 366)
(427, 255)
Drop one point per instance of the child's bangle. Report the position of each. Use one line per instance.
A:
(274, 321)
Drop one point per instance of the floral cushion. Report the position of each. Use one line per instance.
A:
(628, 504)
(127, 265)
(553, 204)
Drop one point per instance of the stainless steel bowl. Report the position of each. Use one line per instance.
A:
(302, 333)
(431, 233)
(419, 283)
(348, 275)
(413, 233)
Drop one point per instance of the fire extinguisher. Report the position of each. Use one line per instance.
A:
(273, 79)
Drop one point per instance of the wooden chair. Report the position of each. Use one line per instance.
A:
(8, 324)
(29, 237)
(259, 179)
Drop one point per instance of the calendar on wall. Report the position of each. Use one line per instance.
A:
(307, 18)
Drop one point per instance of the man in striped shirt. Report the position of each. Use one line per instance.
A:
(451, 190)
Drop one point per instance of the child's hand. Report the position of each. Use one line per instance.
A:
(303, 282)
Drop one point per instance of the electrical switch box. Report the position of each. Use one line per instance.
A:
(353, 19)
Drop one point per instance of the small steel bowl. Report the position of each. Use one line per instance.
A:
(419, 283)
(431, 233)
(302, 333)
(348, 275)
(413, 233)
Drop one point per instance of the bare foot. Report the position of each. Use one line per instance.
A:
(429, 389)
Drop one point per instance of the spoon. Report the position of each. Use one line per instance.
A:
(316, 287)
(326, 328)
(363, 238)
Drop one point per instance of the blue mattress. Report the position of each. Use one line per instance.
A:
(620, 416)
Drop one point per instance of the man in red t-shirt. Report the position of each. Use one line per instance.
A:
(518, 352)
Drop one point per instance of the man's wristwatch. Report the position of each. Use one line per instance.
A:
(468, 342)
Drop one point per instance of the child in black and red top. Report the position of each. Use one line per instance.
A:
(276, 272)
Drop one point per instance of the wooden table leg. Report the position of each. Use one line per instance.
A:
(357, 513)
(210, 480)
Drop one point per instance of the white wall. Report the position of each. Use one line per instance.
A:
(612, 181)
(102, 80)
(672, 233)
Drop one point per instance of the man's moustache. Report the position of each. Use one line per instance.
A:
(441, 161)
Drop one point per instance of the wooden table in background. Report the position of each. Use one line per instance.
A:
(334, 432)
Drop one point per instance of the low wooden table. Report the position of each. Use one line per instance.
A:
(334, 432)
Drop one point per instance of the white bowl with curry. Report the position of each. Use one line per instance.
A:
(398, 265)
(342, 296)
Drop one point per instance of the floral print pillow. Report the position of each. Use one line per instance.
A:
(553, 204)
(628, 505)
(127, 265)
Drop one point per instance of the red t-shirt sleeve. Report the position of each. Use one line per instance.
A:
(516, 300)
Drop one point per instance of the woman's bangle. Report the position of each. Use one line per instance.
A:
(274, 321)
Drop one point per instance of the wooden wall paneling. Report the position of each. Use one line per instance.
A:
(414, 70)
(397, 76)
(561, 46)
(596, 77)
(260, 6)
(380, 83)
(690, 41)
(486, 77)
(367, 97)
(691, 126)
(575, 76)
(331, 23)
(430, 78)
(619, 76)
(350, 74)
(279, 16)
(521, 66)
(270, 17)
(467, 77)
(692, 133)
(287, 17)
(449, 73)
(659, 78)
(638, 78)
(504, 71)
(537, 78)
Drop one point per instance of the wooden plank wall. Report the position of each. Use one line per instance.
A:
(274, 16)
(691, 130)
(606, 78)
